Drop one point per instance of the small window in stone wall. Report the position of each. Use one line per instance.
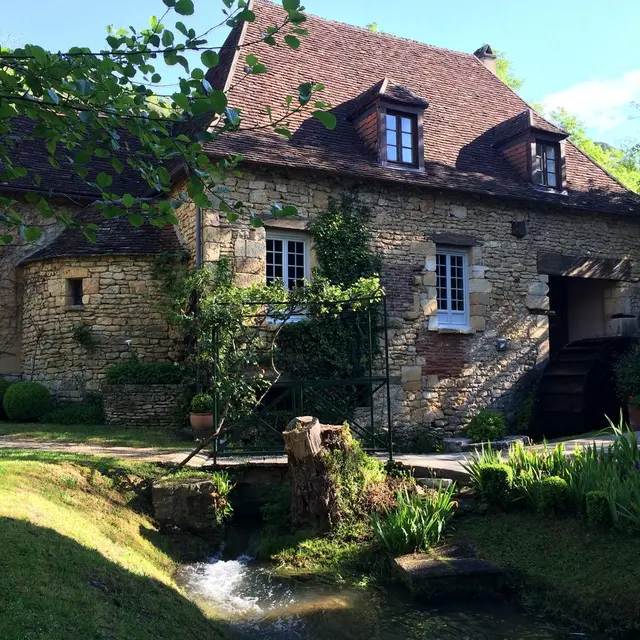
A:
(74, 292)
(452, 288)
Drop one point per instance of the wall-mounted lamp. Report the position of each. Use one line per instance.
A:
(501, 344)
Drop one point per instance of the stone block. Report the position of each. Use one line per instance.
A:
(430, 263)
(90, 285)
(429, 306)
(211, 252)
(255, 249)
(479, 285)
(458, 211)
(433, 325)
(538, 289)
(421, 248)
(478, 298)
(247, 279)
(430, 279)
(478, 323)
(432, 381)
(75, 272)
(411, 373)
(412, 385)
(478, 271)
(253, 266)
(537, 304)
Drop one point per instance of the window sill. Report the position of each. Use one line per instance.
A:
(463, 331)
(402, 167)
(75, 307)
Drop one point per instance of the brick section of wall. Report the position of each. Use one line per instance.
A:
(441, 380)
(444, 355)
(143, 406)
(121, 302)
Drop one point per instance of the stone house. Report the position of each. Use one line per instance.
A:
(484, 213)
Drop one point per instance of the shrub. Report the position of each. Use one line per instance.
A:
(486, 426)
(4, 385)
(553, 495)
(77, 413)
(202, 403)
(598, 510)
(416, 523)
(26, 401)
(627, 372)
(139, 372)
(495, 482)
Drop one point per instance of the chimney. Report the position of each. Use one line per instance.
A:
(487, 57)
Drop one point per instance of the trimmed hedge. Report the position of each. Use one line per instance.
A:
(139, 372)
(77, 413)
(486, 426)
(554, 495)
(496, 483)
(26, 401)
(4, 385)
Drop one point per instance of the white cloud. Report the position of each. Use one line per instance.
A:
(600, 104)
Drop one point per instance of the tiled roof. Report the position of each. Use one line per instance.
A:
(466, 103)
(114, 237)
(31, 153)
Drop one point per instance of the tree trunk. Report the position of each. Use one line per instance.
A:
(313, 492)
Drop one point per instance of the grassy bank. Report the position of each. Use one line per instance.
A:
(563, 567)
(77, 561)
(101, 435)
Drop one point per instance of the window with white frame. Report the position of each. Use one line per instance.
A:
(287, 258)
(452, 288)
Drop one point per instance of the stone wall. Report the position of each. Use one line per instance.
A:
(143, 406)
(11, 289)
(442, 377)
(122, 310)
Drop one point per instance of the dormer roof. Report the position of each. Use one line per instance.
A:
(525, 122)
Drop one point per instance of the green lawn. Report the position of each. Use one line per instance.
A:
(565, 567)
(98, 435)
(78, 562)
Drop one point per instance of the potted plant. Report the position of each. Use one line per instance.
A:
(633, 404)
(627, 371)
(201, 417)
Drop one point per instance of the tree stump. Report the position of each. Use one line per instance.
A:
(313, 492)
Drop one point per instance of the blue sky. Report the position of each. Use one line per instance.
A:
(580, 54)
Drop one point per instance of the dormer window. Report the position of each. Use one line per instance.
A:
(388, 119)
(402, 146)
(545, 169)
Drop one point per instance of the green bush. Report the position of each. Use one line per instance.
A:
(4, 385)
(26, 401)
(627, 371)
(598, 511)
(139, 372)
(202, 403)
(76, 413)
(553, 495)
(416, 523)
(486, 426)
(495, 482)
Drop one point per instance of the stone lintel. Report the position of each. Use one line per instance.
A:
(455, 239)
(558, 264)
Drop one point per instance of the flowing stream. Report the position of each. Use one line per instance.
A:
(254, 604)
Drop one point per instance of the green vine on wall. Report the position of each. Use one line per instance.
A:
(83, 335)
(336, 347)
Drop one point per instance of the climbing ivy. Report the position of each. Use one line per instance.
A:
(336, 346)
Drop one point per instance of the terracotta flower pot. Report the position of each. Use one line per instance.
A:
(201, 421)
(634, 418)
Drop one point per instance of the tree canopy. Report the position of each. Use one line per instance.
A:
(110, 105)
